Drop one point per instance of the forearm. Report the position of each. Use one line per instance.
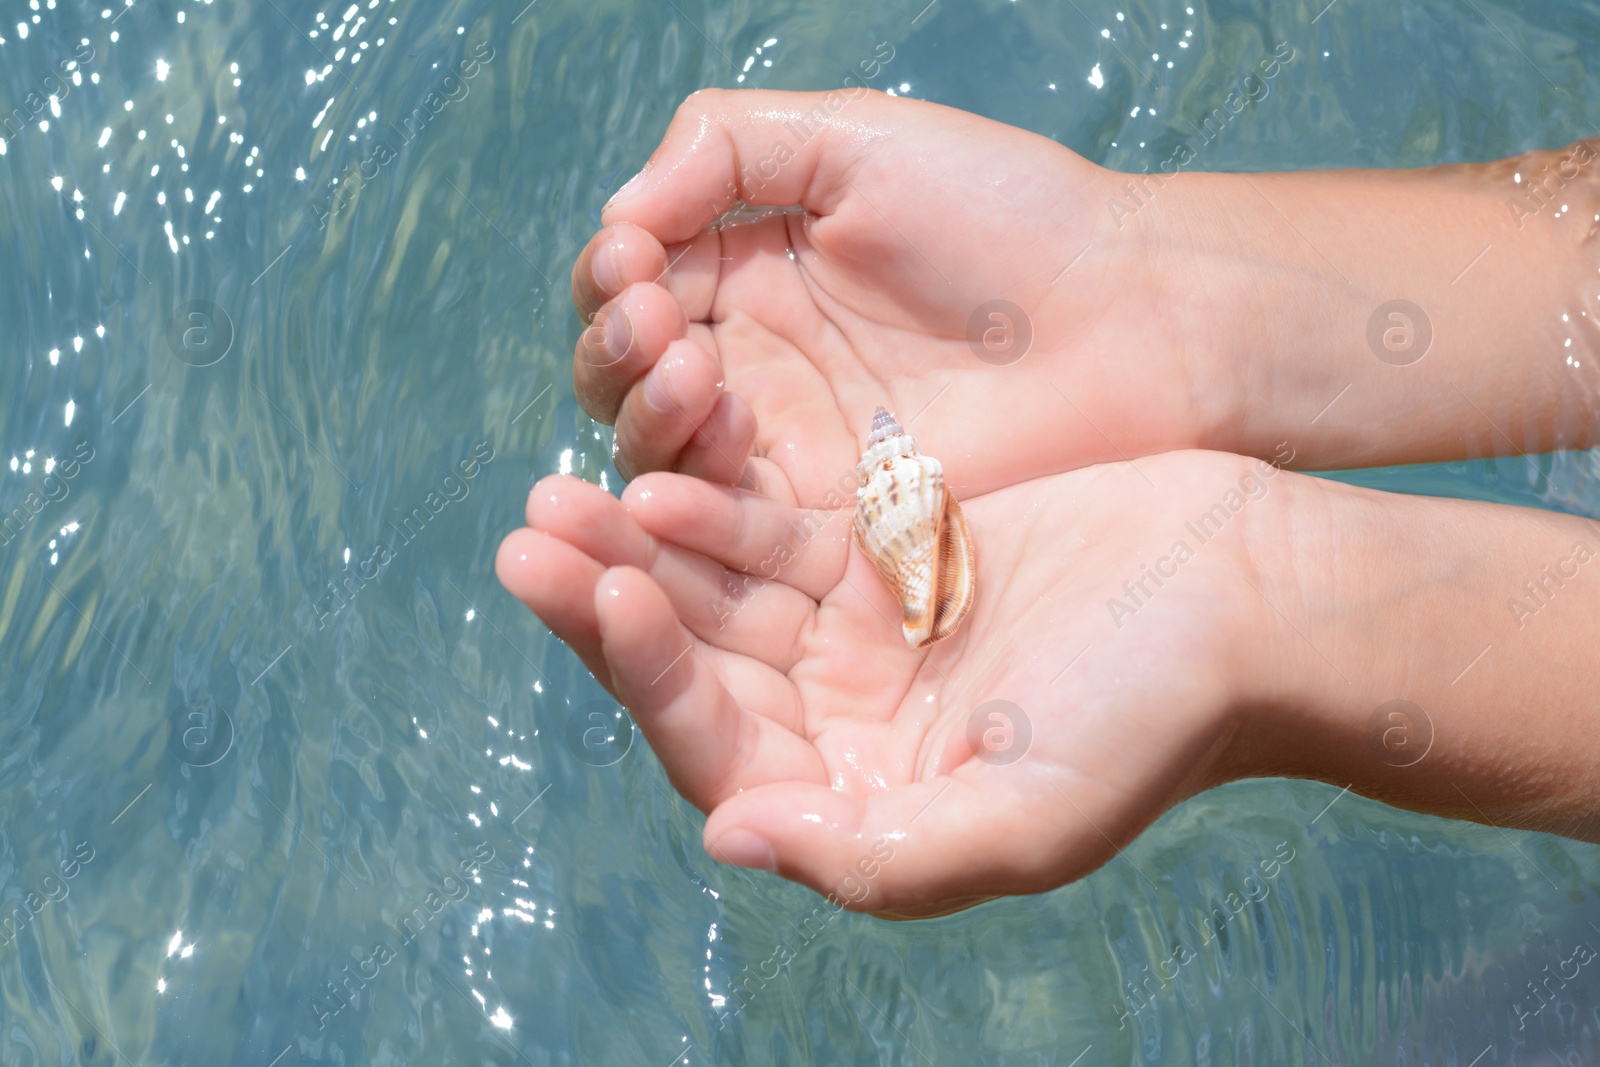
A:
(1485, 619)
(1288, 273)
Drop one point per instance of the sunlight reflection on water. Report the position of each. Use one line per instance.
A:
(287, 343)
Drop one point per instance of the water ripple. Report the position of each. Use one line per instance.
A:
(287, 779)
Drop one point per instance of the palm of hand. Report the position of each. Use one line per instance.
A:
(929, 276)
(803, 718)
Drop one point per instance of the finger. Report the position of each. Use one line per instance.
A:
(923, 849)
(765, 621)
(737, 614)
(557, 582)
(590, 519)
(710, 747)
(665, 409)
(745, 532)
(622, 255)
(694, 270)
(719, 148)
(624, 341)
(615, 258)
(720, 450)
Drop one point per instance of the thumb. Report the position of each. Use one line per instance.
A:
(762, 147)
(919, 850)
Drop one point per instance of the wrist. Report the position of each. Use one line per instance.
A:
(1289, 286)
(1258, 670)
(1268, 711)
(1431, 654)
(1312, 670)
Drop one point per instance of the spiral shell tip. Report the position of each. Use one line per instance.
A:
(883, 425)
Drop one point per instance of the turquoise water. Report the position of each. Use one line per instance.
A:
(287, 778)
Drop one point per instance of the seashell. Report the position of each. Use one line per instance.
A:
(911, 527)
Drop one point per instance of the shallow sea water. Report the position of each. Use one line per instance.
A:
(248, 820)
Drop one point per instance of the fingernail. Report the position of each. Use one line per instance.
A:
(607, 272)
(658, 387)
(631, 186)
(741, 848)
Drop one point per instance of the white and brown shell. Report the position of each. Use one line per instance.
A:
(911, 527)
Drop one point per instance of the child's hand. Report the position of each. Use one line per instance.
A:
(1454, 307)
(1426, 652)
(793, 712)
(919, 218)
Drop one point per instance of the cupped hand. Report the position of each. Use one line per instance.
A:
(972, 277)
(762, 656)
